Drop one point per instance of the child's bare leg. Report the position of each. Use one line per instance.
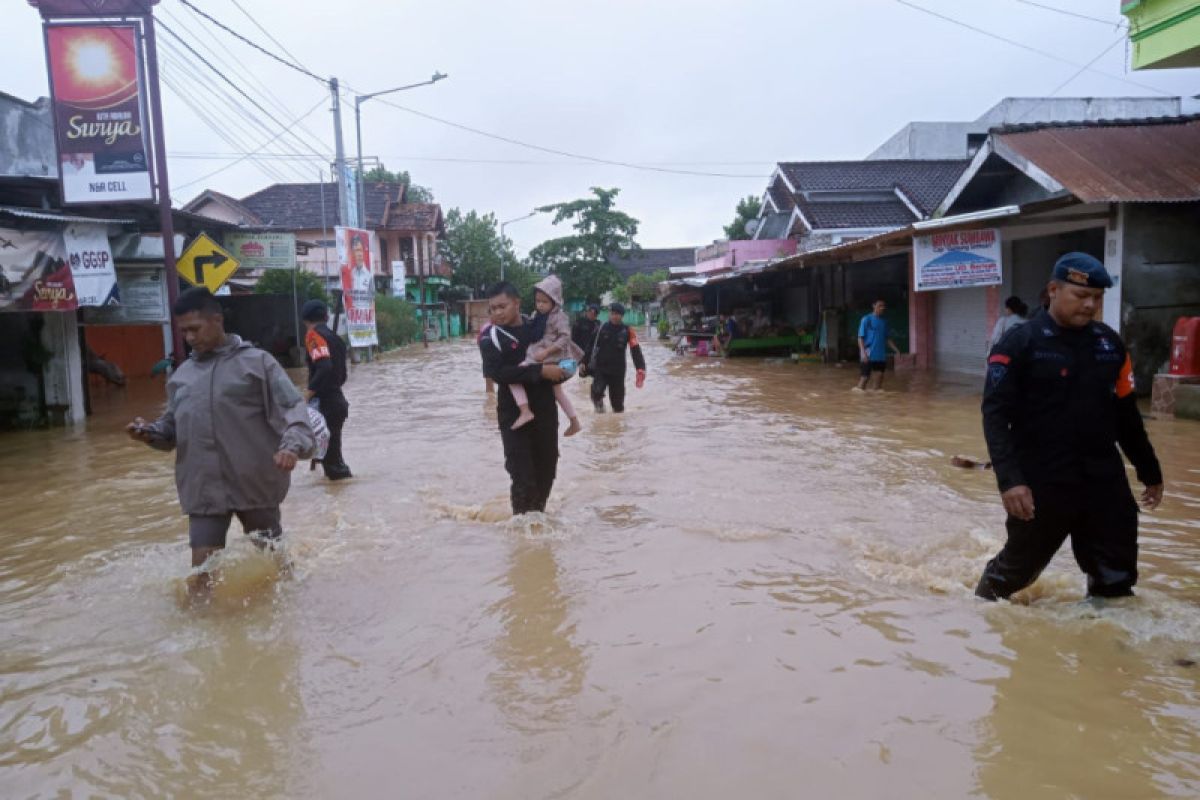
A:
(564, 402)
(522, 400)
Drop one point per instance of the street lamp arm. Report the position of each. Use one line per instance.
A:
(437, 76)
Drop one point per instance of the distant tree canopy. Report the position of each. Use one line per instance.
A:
(581, 259)
(474, 249)
(642, 287)
(415, 194)
(748, 208)
(279, 281)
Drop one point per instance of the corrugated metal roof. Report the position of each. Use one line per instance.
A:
(1149, 162)
(58, 216)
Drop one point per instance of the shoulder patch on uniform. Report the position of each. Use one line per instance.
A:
(996, 373)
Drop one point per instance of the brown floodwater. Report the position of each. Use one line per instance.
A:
(753, 584)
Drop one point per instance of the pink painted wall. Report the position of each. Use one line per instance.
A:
(733, 254)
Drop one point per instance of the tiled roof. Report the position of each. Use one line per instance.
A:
(647, 260)
(780, 195)
(247, 217)
(885, 214)
(298, 206)
(926, 182)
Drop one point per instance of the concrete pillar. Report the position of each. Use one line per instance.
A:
(64, 372)
(1114, 256)
(416, 259)
(920, 321)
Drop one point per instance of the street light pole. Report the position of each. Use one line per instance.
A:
(504, 225)
(358, 101)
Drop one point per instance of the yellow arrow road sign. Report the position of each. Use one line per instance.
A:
(206, 263)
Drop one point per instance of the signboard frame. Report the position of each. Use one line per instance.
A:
(961, 259)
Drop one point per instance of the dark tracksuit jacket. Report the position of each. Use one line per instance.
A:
(1056, 405)
(531, 451)
(606, 362)
(583, 333)
(325, 354)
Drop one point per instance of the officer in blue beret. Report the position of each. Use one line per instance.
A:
(1058, 401)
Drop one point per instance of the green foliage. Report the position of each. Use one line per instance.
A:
(279, 281)
(475, 250)
(581, 260)
(620, 293)
(415, 193)
(642, 287)
(524, 278)
(395, 321)
(748, 208)
(664, 327)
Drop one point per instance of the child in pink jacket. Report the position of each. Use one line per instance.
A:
(555, 347)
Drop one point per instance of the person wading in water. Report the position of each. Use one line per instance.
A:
(238, 427)
(1059, 399)
(530, 451)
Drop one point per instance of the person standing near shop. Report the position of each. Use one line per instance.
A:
(237, 426)
(606, 360)
(874, 339)
(325, 353)
(1058, 401)
(530, 451)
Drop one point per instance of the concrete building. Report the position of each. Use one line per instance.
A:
(939, 140)
(1165, 34)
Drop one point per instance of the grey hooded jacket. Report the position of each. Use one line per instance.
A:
(555, 344)
(228, 413)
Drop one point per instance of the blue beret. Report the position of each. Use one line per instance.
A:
(617, 308)
(1082, 270)
(314, 311)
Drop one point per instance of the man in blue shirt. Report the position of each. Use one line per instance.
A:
(873, 344)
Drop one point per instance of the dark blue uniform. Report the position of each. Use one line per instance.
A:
(1056, 405)
(606, 363)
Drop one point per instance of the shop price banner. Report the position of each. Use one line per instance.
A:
(34, 274)
(957, 260)
(91, 262)
(263, 250)
(99, 101)
(358, 285)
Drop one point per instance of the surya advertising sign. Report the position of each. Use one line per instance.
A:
(99, 97)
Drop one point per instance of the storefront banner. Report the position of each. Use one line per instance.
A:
(99, 100)
(358, 284)
(957, 260)
(143, 299)
(34, 274)
(91, 263)
(263, 250)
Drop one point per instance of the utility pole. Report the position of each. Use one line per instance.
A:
(339, 157)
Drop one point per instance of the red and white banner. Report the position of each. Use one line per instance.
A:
(99, 98)
(358, 284)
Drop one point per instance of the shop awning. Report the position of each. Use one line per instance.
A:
(58, 216)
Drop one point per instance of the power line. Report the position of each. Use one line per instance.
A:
(217, 156)
(1079, 72)
(1077, 15)
(553, 151)
(252, 153)
(255, 45)
(1024, 46)
(268, 34)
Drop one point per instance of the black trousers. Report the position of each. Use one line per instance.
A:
(614, 382)
(531, 458)
(336, 410)
(1102, 523)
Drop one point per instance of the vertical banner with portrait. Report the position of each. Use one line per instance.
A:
(358, 284)
(99, 99)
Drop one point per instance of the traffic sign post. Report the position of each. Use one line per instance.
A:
(205, 263)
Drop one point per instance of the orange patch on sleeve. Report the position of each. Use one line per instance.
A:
(1125, 385)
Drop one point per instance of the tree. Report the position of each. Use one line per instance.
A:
(581, 260)
(642, 287)
(279, 281)
(748, 208)
(474, 249)
(414, 193)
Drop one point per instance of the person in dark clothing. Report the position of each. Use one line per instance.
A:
(325, 354)
(1059, 399)
(583, 333)
(531, 451)
(606, 360)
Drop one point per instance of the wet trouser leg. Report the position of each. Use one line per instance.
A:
(335, 410)
(531, 459)
(616, 392)
(210, 530)
(599, 384)
(1102, 523)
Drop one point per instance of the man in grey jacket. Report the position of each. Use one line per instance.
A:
(238, 427)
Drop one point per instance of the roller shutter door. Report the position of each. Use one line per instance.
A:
(960, 331)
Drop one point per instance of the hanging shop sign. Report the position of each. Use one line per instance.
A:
(91, 262)
(263, 250)
(358, 284)
(34, 273)
(98, 91)
(143, 299)
(957, 260)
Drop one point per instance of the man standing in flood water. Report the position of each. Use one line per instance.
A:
(530, 451)
(238, 427)
(1059, 399)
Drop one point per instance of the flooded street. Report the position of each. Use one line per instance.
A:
(753, 584)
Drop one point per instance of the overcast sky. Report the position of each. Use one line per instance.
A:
(726, 87)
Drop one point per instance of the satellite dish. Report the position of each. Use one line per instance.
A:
(751, 226)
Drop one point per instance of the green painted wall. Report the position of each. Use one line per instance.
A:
(1164, 33)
